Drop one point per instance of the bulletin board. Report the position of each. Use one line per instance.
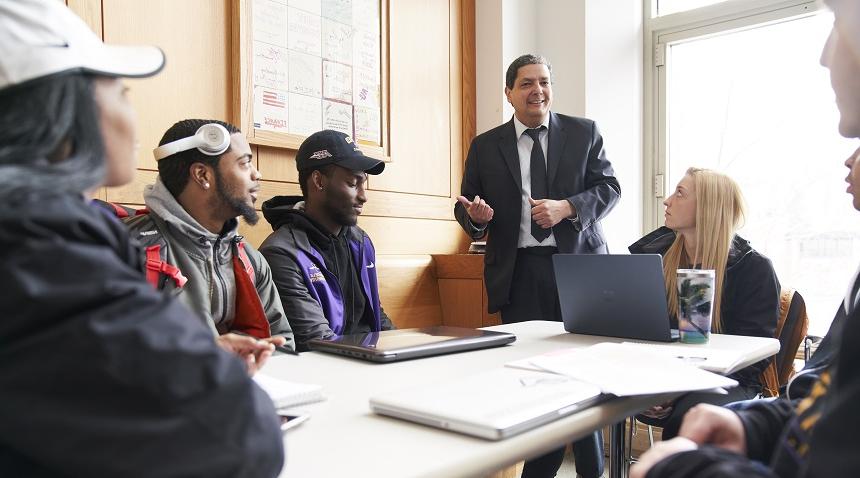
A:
(301, 66)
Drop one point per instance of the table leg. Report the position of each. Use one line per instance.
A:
(617, 465)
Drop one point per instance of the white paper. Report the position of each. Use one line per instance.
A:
(270, 66)
(704, 357)
(285, 394)
(310, 6)
(365, 88)
(337, 116)
(366, 50)
(337, 82)
(305, 114)
(625, 371)
(305, 74)
(337, 42)
(270, 22)
(304, 32)
(368, 125)
(338, 10)
(365, 15)
(270, 109)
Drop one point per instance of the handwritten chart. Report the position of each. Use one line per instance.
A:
(317, 65)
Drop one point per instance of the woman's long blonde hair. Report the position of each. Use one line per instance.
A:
(719, 213)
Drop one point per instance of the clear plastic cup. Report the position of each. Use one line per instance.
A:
(695, 305)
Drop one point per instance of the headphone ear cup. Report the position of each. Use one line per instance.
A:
(213, 139)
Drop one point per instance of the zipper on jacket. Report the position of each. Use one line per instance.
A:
(217, 267)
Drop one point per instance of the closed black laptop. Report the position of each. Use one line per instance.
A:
(403, 344)
(613, 295)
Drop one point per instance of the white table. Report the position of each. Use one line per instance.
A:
(343, 438)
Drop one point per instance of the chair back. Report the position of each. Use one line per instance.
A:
(790, 331)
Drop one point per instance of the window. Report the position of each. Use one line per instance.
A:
(666, 7)
(749, 98)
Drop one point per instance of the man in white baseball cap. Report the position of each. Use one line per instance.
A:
(100, 374)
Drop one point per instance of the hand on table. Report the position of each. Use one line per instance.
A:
(254, 352)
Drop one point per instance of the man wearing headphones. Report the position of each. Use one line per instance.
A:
(206, 179)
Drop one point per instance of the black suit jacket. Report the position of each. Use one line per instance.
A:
(577, 170)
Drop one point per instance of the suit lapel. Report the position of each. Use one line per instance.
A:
(556, 141)
(508, 147)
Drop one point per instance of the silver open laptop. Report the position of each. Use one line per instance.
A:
(403, 344)
(494, 405)
(621, 295)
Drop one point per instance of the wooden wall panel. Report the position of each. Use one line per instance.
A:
(419, 99)
(390, 235)
(195, 82)
(90, 12)
(277, 164)
(394, 235)
(459, 307)
(408, 290)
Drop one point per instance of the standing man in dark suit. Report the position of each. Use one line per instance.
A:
(538, 184)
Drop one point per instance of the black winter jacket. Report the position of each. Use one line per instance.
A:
(100, 374)
(832, 448)
(295, 231)
(750, 300)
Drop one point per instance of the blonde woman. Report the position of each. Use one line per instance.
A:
(702, 215)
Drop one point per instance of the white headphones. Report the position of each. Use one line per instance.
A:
(210, 139)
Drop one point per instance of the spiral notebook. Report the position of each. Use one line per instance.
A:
(286, 394)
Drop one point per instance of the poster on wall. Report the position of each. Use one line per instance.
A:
(316, 64)
(270, 109)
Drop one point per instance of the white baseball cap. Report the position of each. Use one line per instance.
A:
(41, 38)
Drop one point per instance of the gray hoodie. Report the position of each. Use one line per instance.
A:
(206, 259)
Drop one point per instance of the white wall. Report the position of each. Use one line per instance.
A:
(595, 47)
(489, 67)
(614, 98)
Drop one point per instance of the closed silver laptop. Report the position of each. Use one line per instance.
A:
(404, 344)
(495, 404)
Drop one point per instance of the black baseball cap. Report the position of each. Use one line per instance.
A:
(333, 147)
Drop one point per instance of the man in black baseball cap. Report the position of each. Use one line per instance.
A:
(323, 264)
(333, 147)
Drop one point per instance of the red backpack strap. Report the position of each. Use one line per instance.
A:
(155, 267)
(246, 261)
(250, 316)
(120, 211)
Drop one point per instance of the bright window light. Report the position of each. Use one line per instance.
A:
(666, 7)
(757, 105)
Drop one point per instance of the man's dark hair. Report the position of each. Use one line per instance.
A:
(527, 59)
(305, 175)
(174, 170)
(50, 139)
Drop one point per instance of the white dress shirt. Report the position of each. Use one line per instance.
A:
(524, 150)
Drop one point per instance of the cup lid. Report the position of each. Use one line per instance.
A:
(697, 272)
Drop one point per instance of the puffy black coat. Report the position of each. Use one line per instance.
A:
(100, 374)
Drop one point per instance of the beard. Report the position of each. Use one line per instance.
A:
(342, 215)
(234, 201)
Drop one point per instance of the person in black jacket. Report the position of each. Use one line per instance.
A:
(700, 234)
(323, 264)
(817, 435)
(100, 374)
